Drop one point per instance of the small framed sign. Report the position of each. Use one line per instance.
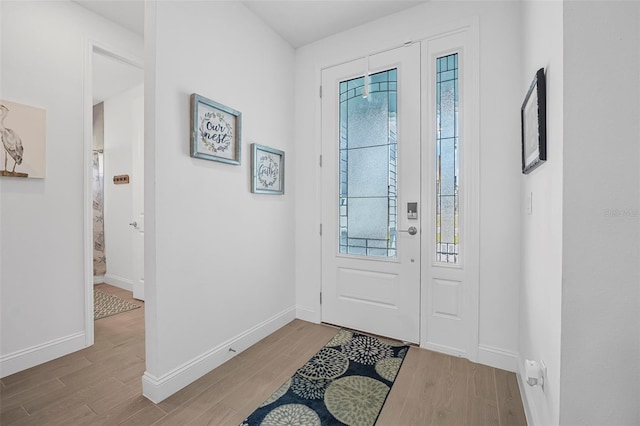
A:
(215, 131)
(533, 115)
(267, 170)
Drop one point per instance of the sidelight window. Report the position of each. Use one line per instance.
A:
(447, 160)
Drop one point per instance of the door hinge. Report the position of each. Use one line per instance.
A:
(321, 161)
(320, 229)
(321, 298)
(321, 91)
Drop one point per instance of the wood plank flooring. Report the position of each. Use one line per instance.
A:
(101, 385)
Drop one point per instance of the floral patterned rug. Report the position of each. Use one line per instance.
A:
(345, 383)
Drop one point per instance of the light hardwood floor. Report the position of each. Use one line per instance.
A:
(101, 385)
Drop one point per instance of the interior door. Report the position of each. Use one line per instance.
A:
(371, 194)
(138, 196)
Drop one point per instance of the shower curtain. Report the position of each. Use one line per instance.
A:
(99, 259)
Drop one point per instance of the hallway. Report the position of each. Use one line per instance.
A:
(101, 385)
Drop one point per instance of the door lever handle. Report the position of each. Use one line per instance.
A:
(412, 230)
(134, 224)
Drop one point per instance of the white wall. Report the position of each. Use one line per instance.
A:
(601, 277)
(221, 273)
(500, 98)
(42, 288)
(120, 130)
(541, 285)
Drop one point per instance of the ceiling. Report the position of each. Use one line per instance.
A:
(299, 22)
(303, 22)
(128, 13)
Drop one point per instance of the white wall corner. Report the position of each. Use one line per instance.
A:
(121, 282)
(39, 354)
(498, 358)
(308, 314)
(159, 388)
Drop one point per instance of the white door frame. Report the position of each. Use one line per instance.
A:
(91, 47)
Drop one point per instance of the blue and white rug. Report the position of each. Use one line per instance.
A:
(345, 383)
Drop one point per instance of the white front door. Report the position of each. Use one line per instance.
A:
(370, 181)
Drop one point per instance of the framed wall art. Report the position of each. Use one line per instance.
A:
(215, 131)
(533, 115)
(23, 129)
(267, 170)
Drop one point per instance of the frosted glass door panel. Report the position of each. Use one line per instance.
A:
(368, 219)
(368, 120)
(368, 172)
(368, 184)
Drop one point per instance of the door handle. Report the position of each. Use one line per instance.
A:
(134, 224)
(412, 230)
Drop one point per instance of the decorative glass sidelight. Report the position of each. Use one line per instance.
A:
(368, 166)
(447, 160)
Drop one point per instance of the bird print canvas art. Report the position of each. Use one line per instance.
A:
(23, 134)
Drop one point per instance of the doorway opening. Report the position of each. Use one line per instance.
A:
(114, 175)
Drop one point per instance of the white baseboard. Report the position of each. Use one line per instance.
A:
(487, 355)
(159, 388)
(444, 349)
(498, 358)
(307, 314)
(39, 354)
(120, 282)
(98, 279)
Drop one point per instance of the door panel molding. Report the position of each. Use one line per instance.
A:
(446, 299)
